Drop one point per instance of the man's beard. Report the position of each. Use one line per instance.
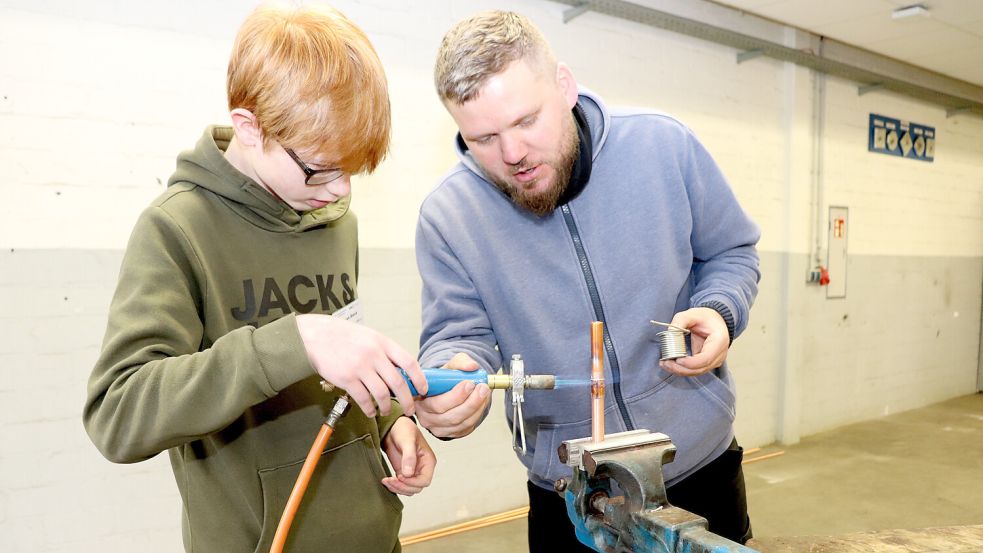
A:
(543, 203)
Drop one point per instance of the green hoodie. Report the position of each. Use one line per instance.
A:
(202, 357)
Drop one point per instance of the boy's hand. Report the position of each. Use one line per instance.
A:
(360, 361)
(411, 458)
(456, 413)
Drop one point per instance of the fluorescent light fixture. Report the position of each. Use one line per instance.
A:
(910, 11)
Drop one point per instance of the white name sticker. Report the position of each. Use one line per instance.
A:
(351, 312)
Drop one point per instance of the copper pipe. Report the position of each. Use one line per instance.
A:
(515, 514)
(762, 457)
(597, 381)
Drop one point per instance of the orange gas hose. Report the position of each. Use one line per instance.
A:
(306, 471)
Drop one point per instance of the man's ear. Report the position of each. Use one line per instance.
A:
(567, 84)
(246, 127)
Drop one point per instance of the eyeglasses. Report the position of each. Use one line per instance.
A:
(315, 177)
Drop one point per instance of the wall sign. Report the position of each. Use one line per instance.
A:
(901, 138)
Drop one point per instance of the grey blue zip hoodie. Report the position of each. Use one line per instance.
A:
(655, 231)
(202, 358)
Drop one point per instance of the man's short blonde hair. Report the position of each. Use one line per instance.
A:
(485, 45)
(314, 82)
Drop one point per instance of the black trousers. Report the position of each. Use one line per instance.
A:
(715, 492)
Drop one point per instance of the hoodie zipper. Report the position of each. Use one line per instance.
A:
(595, 299)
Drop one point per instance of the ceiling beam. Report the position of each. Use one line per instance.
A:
(834, 58)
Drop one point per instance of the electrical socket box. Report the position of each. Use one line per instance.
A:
(836, 260)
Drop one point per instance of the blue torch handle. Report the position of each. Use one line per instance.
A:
(440, 381)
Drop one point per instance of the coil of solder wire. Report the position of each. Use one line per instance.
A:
(672, 344)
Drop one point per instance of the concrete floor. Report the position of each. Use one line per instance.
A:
(918, 469)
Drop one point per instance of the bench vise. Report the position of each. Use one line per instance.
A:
(617, 498)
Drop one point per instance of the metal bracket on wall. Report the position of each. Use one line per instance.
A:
(570, 13)
(861, 90)
(749, 55)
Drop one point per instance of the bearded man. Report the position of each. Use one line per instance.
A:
(564, 211)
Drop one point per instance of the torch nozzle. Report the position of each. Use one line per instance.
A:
(540, 381)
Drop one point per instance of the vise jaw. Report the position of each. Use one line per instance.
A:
(617, 498)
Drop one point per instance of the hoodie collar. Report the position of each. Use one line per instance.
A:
(207, 167)
(584, 161)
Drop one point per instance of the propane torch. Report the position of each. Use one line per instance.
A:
(440, 381)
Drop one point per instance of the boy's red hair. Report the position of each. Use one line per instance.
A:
(314, 83)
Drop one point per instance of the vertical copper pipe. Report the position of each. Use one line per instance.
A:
(597, 381)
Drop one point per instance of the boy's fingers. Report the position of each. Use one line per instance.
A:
(361, 396)
(416, 377)
(407, 448)
(379, 391)
(426, 464)
(401, 358)
(401, 486)
(395, 382)
(396, 486)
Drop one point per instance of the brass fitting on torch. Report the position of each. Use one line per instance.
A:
(499, 381)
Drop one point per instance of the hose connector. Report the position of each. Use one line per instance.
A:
(337, 411)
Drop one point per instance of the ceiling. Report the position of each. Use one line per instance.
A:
(948, 40)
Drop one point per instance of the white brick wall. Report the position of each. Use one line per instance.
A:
(57, 493)
(96, 99)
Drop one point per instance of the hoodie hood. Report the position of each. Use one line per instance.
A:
(205, 166)
(597, 121)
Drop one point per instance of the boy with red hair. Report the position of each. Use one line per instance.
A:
(221, 326)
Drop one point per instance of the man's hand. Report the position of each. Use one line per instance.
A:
(411, 457)
(456, 413)
(360, 361)
(709, 340)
